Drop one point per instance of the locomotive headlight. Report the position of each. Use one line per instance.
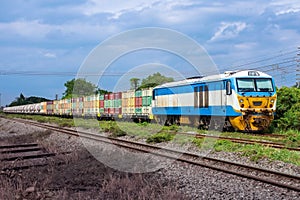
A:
(241, 101)
(272, 101)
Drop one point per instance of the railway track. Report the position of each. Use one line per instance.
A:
(279, 179)
(23, 156)
(236, 140)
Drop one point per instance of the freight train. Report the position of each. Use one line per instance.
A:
(235, 100)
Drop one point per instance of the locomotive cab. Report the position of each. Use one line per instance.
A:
(255, 98)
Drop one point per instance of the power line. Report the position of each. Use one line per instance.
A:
(263, 60)
(278, 64)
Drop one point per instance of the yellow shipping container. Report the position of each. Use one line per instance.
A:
(43, 108)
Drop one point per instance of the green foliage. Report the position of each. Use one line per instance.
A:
(198, 142)
(287, 97)
(155, 80)
(160, 137)
(173, 128)
(101, 92)
(113, 129)
(134, 83)
(116, 132)
(143, 124)
(78, 88)
(288, 109)
(22, 100)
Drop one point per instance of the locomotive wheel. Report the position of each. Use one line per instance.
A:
(217, 124)
(161, 120)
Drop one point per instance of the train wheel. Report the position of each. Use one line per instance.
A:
(161, 120)
(217, 124)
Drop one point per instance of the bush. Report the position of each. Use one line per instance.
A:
(116, 132)
(160, 137)
(287, 109)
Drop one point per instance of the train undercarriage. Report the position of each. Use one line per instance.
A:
(244, 123)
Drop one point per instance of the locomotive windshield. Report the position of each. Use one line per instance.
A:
(255, 85)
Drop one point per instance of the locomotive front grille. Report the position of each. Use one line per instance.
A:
(257, 103)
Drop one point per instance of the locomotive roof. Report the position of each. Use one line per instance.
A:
(212, 78)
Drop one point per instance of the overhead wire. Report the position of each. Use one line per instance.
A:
(279, 61)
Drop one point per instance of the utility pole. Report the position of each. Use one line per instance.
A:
(298, 69)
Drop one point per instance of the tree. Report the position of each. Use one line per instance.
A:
(288, 108)
(101, 92)
(22, 100)
(78, 88)
(134, 83)
(155, 80)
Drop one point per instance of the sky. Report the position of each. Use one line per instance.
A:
(43, 43)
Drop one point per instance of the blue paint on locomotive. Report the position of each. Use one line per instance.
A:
(189, 110)
(212, 86)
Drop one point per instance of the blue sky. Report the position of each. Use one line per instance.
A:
(44, 42)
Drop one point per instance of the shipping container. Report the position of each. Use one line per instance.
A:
(55, 107)
(138, 102)
(138, 111)
(118, 111)
(101, 103)
(111, 110)
(101, 111)
(147, 110)
(147, 92)
(138, 93)
(50, 108)
(101, 97)
(147, 101)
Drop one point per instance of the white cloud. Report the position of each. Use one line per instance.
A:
(25, 28)
(50, 55)
(288, 11)
(115, 7)
(285, 7)
(229, 30)
(245, 46)
(36, 30)
(169, 11)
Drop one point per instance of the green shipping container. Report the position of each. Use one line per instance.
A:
(105, 103)
(138, 93)
(119, 103)
(147, 101)
(101, 110)
(115, 103)
(101, 97)
(138, 110)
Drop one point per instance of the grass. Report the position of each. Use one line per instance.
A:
(139, 130)
(292, 138)
(257, 152)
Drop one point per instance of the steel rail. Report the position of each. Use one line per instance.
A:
(183, 158)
